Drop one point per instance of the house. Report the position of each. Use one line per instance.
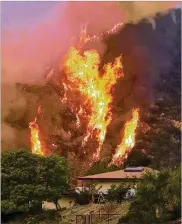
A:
(104, 181)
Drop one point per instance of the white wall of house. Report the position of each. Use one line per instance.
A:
(64, 202)
(105, 186)
(48, 205)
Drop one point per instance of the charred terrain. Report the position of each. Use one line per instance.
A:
(151, 56)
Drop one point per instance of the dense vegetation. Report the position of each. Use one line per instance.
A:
(158, 198)
(29, 179)
(117, 193)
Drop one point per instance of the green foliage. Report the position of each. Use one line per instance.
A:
(117, 193)
(158, 198)
(54, 172)
(28, 179)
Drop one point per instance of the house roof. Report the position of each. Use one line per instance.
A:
(118, 175)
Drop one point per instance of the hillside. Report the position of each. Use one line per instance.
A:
(152, 64)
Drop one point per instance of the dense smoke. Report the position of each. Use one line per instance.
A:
(26, 51)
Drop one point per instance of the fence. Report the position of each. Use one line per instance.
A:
(98, 219)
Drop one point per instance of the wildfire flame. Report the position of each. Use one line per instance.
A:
(83, 75)
(128, 140)
(36, 145)
(95, 88)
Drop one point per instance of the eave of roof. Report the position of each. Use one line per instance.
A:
(110, 179)
(116, 175)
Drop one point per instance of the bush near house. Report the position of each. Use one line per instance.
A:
(83, 198)
(158, 198)
(117, 193)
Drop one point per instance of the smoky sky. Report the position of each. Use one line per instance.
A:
(34, 34)
(38, 34)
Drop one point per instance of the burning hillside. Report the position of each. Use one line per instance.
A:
(88, 94)
(93, 105)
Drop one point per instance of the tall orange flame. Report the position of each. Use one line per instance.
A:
(83, 75)
(36, 145)
(128, 140)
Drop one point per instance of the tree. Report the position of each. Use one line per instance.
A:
(157, 198)
(172, 193)
(28, 179)
(19, 176)
(54, 172)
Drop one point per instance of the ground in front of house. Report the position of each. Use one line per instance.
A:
(68, 216)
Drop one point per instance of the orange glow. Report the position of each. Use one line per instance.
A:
(83, 75)
(36, 145)
(128, 140)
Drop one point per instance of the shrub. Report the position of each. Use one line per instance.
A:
(83, 198)
(117, 193)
